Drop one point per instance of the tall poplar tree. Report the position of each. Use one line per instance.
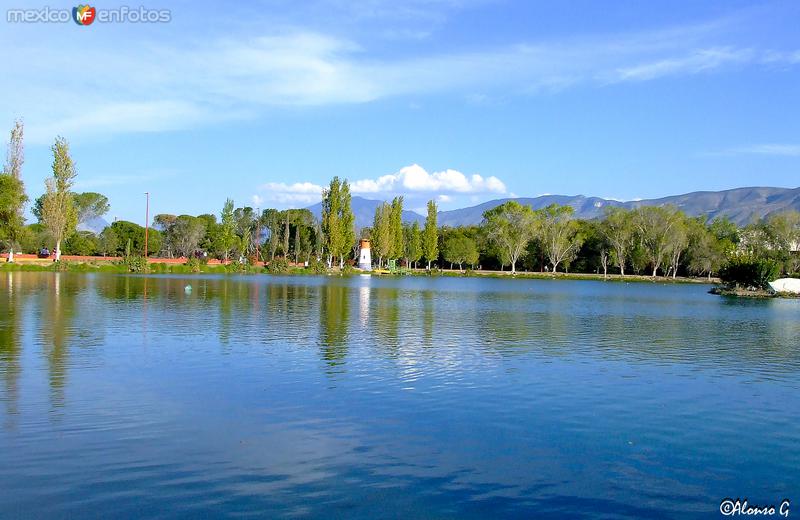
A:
(58, 208)
(430, 235)
(347, 223)
(413, 243)
(12, 189)
(331, 210)
(338, 221)
(382, 236)
(228, 228)
(396, 228)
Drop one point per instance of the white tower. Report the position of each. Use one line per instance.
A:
(364, 256)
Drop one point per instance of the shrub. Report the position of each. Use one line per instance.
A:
(194, 264)
(235, 267)
(135, 264)
(278, 266)
(749, 272)
(317, 266)
(61, 265)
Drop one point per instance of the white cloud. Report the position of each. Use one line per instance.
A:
(283, 193)
(698, 61)
(135, 85)
(415, 178)
(774, 149)
(788, 150)
(411, 180)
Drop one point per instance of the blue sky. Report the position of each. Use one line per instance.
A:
(459, 100)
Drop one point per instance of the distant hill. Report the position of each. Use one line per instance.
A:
(364, 211)
(741, 205)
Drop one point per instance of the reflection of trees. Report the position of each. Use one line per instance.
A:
(386, 318)
(57, 310)
(428, 317)
(334, 321)
(10, 342)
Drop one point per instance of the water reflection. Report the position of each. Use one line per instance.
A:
(10, 345)
(328, 396)
(334, 307)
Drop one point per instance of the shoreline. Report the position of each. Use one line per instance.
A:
(158, 267)
(759, 294)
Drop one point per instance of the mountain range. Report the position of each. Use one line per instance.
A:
(741, 205)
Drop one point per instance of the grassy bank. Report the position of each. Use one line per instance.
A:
(566, 276)
(196, 268)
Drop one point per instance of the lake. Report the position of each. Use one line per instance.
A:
(415, 397)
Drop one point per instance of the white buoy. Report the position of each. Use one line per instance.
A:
(188, 289)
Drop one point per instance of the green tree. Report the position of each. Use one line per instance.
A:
(12, 197)
(109, 243)
(677, 243)
(706, 253)
(272, 219)
(331, 218)
(726, 232)
(559, 234)
(459, 249)
(655, 225)
(186, 234)
(12, 190)
(338, 221)
(510, 226)
(84, 243)
(347, 222)
(413, 244)
(430, 235)
(382, 235)
(129, 235)
(164, 222)
(396, 220)
(783, 235)
(303, 234)
(227, 229)
(58, 207)
(90, 206)
(619, 230)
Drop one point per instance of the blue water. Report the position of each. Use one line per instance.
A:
(329, 397)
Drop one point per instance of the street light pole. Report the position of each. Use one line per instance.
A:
(146, 222)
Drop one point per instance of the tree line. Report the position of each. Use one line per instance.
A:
(646, 240)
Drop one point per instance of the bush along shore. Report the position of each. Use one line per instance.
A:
(280, 266)
(748, 276)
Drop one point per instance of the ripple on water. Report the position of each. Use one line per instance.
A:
(327, 396)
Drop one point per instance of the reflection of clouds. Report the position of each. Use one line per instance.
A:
(460, 396)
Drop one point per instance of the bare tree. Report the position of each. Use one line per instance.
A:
(604, 262)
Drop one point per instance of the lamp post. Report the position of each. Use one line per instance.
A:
(146, 222)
